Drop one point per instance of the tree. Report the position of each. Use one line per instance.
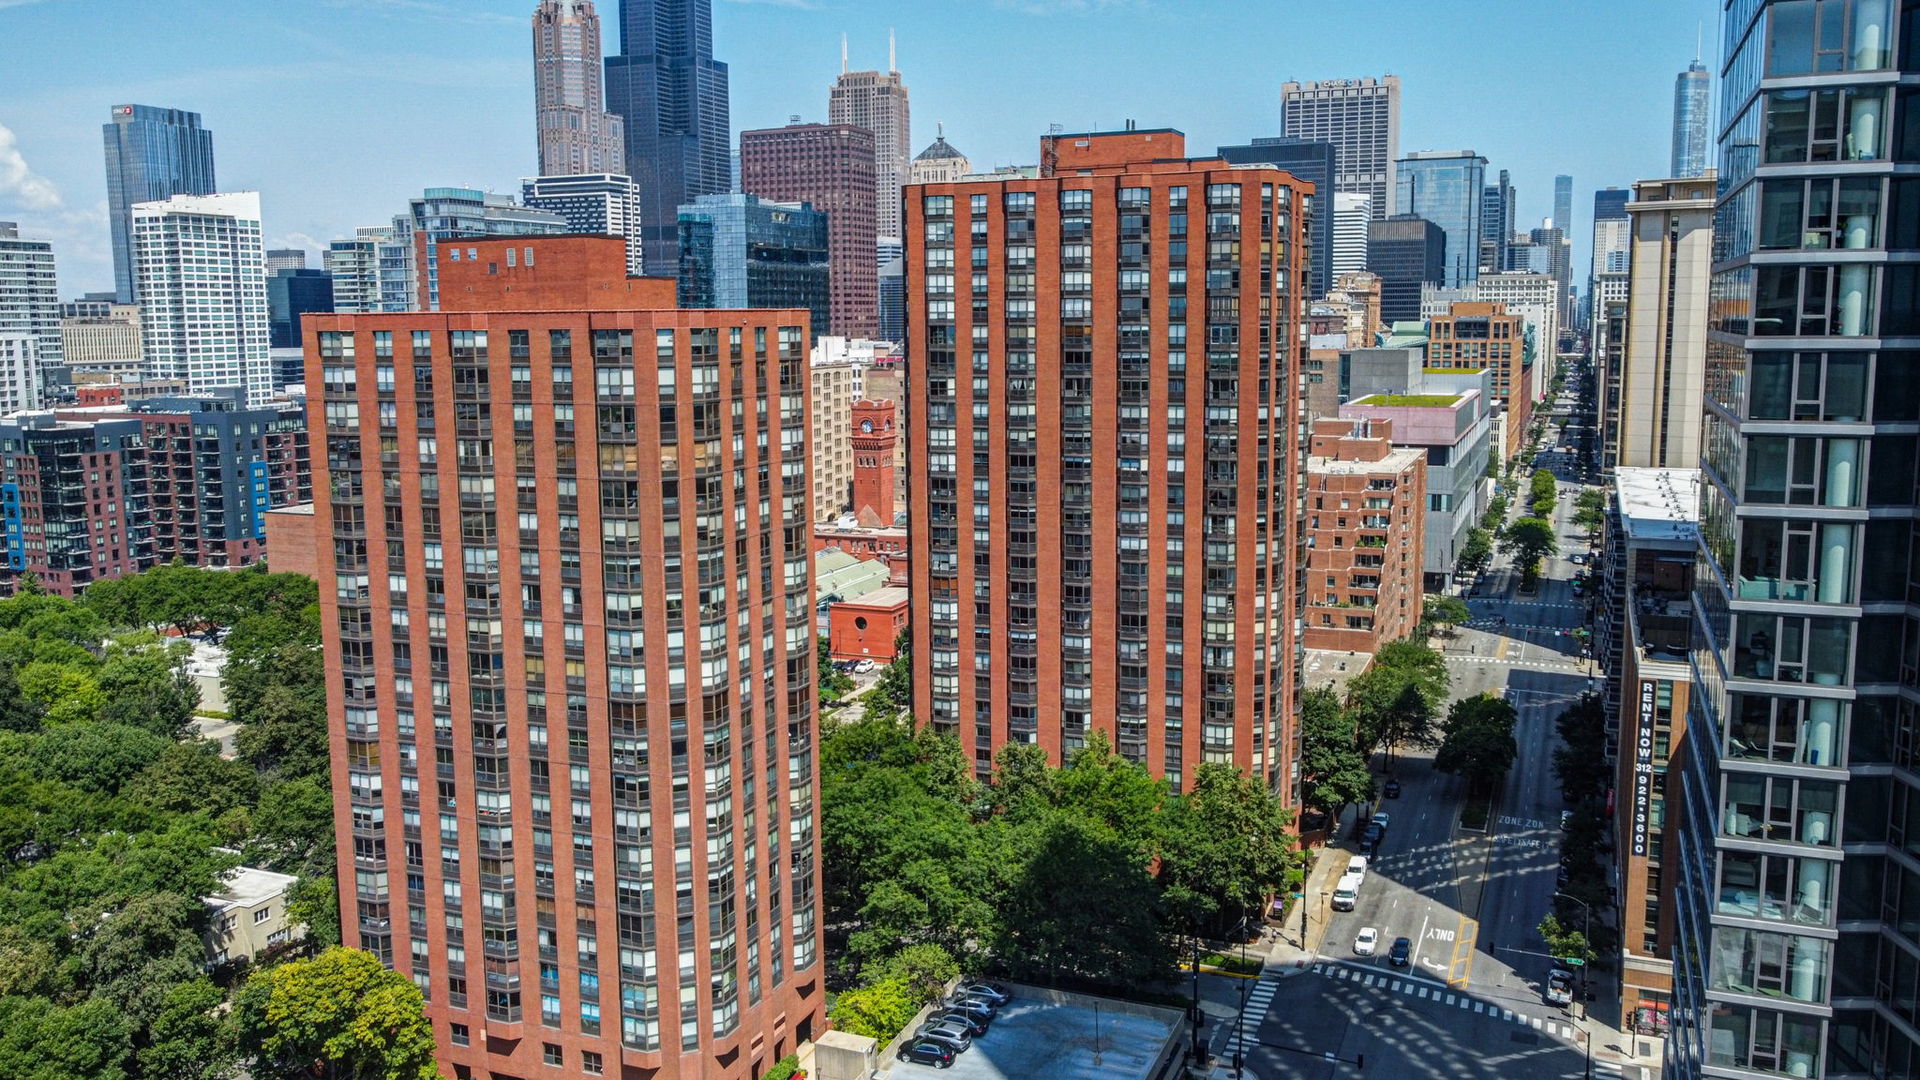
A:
(1592, 511)
(1228, 844)
(65, 694)
(892, 692)
(40, 1040)
(146, 685)
(1396, 700)
(192, 777)
(340, 1016)
(1116, 941)
(924, 969)
(189, 1039)
(1477, 550)
(1442, 610)
(1333, 773)
(878, 1010)
(100, 758)
(282, 734)
(1529, 540)
(834, 683)
(1478, 744)
(315, 901)
(1565, 943)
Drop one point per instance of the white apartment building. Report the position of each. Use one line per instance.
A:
(203, 292)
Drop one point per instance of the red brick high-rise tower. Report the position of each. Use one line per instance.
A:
(874, 436)
(1106, 455)
(569, 655)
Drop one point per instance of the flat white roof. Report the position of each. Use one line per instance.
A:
(1658, 504)
(248, 886)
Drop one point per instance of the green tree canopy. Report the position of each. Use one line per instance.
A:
(341, 1015)
(1478, 743)
(1396, 701)
(1439, 609)
(1333, 772)
(1529, 540)
(1227, 845)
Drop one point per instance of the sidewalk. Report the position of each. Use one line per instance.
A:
(1290, 955)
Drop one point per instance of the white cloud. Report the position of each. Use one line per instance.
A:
(19, 184)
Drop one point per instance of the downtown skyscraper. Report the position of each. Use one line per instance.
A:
(1361, 118)
(203, 292)
(1795, 946)
(1692, 122)
(1447, 188)
(832, 167)
(1104, 434)
(570, 665)
(877, 101)
(672, 96)
(577, 135)
(152, 154)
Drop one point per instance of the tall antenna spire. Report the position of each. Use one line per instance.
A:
(1699, 39)
(891, 66)
(843, 54)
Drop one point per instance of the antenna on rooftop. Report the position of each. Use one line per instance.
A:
(843, 53)
(891, 66)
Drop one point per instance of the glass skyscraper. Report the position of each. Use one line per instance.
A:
(1447, 187)
(672, 94)
(1691, 90)
(1797, 909)
(737, 251)
(152, 154)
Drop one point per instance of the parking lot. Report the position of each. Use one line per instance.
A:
(1036, 1038)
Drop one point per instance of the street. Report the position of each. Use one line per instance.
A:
(1469, 1002)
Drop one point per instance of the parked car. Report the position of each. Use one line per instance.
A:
(1367, 941)
(1401, 954)
(928, 1052)
(1559, 987)
(975, 1024)
(946, 1033)
(991, 991)
(1357, 865)
(1392, 789)
(1382, 819)
(1369, 848)
(980, 1016)
(978, 1002)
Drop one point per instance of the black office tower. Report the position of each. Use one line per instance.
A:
(1406, 252)
(672, 94)
(1315, 162)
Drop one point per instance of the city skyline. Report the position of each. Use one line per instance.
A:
(366, 56)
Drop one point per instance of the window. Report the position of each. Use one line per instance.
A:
(460, 1035)
(262, 915)
(590, 1063)
(549, 1053)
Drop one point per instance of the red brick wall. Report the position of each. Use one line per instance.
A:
(859, 631)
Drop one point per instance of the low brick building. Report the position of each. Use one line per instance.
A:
(1366, 510)
(865, 629)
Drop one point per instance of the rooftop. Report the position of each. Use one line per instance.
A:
(891, 596)
(248, 886)
(1411, 401)
(1400, 459)
(1658, 504)
(840, 576)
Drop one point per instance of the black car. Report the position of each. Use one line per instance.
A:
(1392, 790)
(1375, 832)
(928, 1052)
(1402, 951)
(1369, 848)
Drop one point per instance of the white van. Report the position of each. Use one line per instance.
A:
(1357, 866)
(1346, 891)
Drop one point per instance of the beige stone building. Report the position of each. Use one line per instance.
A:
(250, 915)
(834, 391)
(108, 342)
(1663, 368)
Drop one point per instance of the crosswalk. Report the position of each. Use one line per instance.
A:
(1557, 1027)
(1259, 1000)
(1544, 665)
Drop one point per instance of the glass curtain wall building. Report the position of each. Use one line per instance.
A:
(1447, 188)
(1798, 899)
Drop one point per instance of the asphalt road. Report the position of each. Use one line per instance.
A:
(1469, 1004)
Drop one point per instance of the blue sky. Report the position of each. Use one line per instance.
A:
(338, 110)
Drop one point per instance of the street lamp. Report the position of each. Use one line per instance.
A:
(1586, 934)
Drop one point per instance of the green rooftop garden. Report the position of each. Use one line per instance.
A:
(1416, 401)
